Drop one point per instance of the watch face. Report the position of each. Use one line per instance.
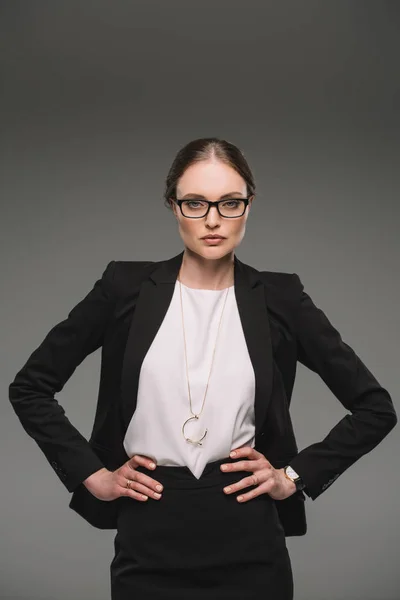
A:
(291, 472)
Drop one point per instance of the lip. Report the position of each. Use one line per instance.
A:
(213, 237)
(213, 240)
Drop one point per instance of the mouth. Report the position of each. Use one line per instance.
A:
(213, 240)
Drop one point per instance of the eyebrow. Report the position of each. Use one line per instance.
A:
(228, 195)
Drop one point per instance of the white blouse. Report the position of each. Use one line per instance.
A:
(155, 429)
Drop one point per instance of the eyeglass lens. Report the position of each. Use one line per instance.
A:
(228, 208)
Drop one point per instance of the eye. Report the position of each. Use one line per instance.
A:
(190, 203)
(231, 203)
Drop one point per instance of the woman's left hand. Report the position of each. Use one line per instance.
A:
(267, 479)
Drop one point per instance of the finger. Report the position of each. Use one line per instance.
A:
(143, 461)
(130, 493)
(240, 465)
(241, 484)
(137, 486)
(246, 451)
(258, 491)
(149, 482)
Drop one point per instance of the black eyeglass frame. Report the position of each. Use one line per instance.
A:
(210, 204)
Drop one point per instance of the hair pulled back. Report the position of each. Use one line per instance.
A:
(205, 149)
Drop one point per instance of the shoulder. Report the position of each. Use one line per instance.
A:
(278, 282)
(278, 279)
(283, 290)
(281, 281)
(128, 274)
(130, 267)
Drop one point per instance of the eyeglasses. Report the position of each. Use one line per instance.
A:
(230, 208)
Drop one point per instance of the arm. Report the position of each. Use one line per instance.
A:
(321, 349)
(48, 369)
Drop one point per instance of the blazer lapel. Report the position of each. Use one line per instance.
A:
(252, 306)
(154, 298)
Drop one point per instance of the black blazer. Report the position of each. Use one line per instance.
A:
(281, 324)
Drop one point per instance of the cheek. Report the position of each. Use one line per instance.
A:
(238, 228)
(189, 227)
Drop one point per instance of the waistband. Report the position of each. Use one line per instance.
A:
(182, 477)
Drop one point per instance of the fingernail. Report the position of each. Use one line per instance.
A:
(224, 467)
(157, 495)
(152, 465)
(159, 487)
(240, 498)
(228, 489)
(233, 453)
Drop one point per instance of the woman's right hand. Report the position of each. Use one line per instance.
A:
(109, 485)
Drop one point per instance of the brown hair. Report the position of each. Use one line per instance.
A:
(205, 149)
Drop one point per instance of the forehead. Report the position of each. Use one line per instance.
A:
(210, 179)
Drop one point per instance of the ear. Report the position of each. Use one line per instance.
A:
(173, 205)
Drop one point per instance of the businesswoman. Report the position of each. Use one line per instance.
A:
(193, 457)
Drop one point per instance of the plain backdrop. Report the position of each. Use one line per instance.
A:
(96, 99)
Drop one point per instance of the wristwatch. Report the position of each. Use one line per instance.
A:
(293, 476)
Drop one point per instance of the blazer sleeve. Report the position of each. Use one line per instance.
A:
(372, 414)
(48, 369)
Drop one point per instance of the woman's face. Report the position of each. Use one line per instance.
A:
(211, 180)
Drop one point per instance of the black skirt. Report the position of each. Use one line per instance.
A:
(197, 540)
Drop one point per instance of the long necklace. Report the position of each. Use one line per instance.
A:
(196, 415)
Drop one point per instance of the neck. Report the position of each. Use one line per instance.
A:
(203, 273)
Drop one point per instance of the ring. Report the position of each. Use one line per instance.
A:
(128, 483)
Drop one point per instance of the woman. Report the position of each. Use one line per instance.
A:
(192, 456)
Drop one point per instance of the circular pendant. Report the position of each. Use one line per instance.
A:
(198, 442)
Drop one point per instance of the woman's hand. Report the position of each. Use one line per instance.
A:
(109, 485)
(268, 479)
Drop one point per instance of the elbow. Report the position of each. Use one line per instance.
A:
(15, 391)
(19, 394)
(15, 396)
(383, 412)
(390, 415)
(388, 420)
(391, 420)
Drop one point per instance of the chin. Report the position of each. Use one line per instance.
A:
(213, 252)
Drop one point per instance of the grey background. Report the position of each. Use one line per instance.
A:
(97, 97)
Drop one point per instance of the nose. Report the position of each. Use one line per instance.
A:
(213, 217)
